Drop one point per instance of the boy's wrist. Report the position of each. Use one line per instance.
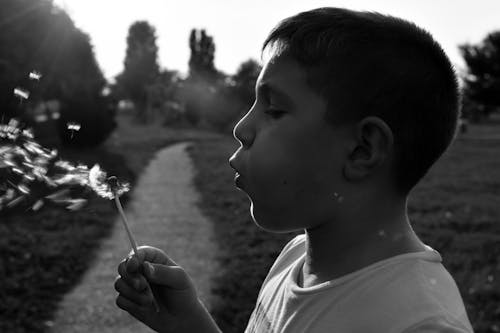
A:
(208, 324)
(199, 321)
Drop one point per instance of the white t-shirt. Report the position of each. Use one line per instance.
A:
(407, 293)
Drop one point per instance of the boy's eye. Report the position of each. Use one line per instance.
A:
(274, 113)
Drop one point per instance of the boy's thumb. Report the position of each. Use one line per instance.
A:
(174, 277)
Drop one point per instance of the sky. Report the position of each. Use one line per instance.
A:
(239, 27)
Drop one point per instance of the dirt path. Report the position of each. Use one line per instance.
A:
(162, 213)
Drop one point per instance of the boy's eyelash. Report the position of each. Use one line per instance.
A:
(275, 113)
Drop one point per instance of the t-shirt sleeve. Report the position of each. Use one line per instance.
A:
(438, 325)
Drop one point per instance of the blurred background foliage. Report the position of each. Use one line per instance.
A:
(482, 79)
(37, 35)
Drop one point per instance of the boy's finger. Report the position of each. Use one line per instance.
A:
(141, 298)
(122, 270)
(151, 254)
(128, 277)
(133, 264)
(171, 276)
(138, 282)
(131, 307)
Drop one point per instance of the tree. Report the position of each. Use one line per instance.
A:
(482, 81)
(201, 61)
(245, 79)
(36, 35)
(141, 68)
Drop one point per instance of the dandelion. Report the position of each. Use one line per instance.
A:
(21, 93)
(108, 188)
(111, 188)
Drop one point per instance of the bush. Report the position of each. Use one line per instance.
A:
(222, 111)
(211, 105)
(96, 118)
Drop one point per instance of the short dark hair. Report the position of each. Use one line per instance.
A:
(370, 64)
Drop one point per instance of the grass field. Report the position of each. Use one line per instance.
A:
(455, 209)
(44, 254)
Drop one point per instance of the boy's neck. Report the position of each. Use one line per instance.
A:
(332, 253)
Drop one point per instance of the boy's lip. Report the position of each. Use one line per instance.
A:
(237, 176)
(233, 165)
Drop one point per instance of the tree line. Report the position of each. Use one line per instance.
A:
(37, 35)
(205, 97)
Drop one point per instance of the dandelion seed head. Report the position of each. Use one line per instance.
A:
(106, 187)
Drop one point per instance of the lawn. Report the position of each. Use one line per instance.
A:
(455, 209)
(44, 253)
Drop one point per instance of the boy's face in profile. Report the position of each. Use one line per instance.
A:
(290, 159)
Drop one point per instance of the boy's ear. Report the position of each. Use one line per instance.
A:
(372, 146)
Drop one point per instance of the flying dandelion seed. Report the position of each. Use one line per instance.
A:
(35, 75)
(73, 127)
(76, 204)
(59, 195)
(30, 170)
(21, 93)
(38, 204)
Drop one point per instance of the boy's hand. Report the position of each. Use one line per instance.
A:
(153, 272)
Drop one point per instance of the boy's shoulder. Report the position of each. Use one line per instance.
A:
(290, 252)
(407, 290)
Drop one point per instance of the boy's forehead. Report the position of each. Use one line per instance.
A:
(279, 69)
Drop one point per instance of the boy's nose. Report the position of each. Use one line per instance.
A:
(242, 131)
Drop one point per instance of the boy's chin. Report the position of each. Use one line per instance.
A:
(274, 225)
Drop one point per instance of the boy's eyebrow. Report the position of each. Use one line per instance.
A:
(268, 89)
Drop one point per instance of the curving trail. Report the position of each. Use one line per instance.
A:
(162, 213)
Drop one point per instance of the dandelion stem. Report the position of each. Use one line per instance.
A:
(125, 223)
(132, 242)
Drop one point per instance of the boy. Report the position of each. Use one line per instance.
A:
(351, 110)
